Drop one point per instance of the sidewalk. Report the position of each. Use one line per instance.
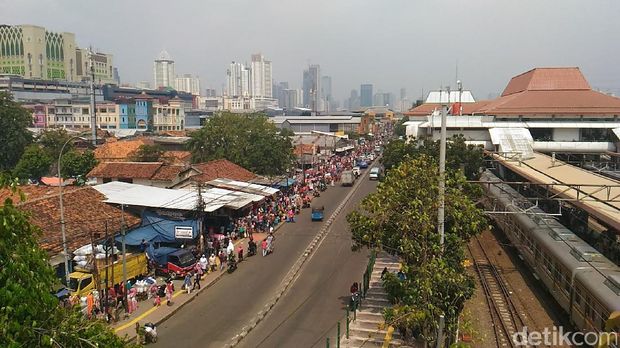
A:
(148, 313)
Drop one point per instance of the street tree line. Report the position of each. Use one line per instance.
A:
(401, 218)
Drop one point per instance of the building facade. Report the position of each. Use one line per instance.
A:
(163, 71)
(238, 80)
(102, 66)
(33, 52)
(261, 77)
(312, 87)
(187, 83)
(366, 95)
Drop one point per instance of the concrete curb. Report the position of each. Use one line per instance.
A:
(292, 274)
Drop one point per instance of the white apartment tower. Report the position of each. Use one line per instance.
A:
(187, 83)
(163, 71)
(261, 77)
(238, 83)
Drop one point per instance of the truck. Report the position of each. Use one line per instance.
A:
(81, 281)
(347, 178)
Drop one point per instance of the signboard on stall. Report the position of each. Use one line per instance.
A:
(183, 232)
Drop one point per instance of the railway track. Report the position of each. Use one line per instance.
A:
(505, 316)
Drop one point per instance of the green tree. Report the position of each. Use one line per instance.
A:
(52, 141)
(30, 316)
(34, 163)
(459, 155)
(400, 128)
(77, 165)
(249, 140)
(148, 153)
(14, 133)
(401, 217)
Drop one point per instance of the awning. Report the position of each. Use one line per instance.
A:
(159, 229)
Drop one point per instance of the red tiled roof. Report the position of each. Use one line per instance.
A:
(120, 150)
(428, 108)
(547, 79)
(125, 170)
(168, 173)
(177, 157)
(31, 192)
(221, 169)
(85, 213)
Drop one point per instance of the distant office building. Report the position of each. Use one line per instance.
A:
(291, 98)
(210, 92)
(366, 95)
(326, 93)
(403, 93)
(353, 103)
(117, 76)
(163, 71)
(33, 52)
(187, 83)
(103, 69)
(45, 91)
(238, 83)
(312, 87)
(261, 78)
(143, 85)
(278, 92)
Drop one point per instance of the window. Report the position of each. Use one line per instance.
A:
(594, 134)
(542, 134)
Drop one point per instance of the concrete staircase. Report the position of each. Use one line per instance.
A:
(369, 329)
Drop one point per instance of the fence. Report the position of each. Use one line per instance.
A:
(355, 305)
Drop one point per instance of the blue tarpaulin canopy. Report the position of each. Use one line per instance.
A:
(160, 229)
(283, 183)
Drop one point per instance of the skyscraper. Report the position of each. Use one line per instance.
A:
(238, 83)
(261, 78)
(187, 83)
(326, 93)
(354, 100)
(366, 95)
(163, 70)
(312, 87)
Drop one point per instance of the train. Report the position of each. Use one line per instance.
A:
(582, 281)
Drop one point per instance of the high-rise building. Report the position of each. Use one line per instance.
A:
(366, 95)
(238, 83)
(210, 93)
(326, 93)
(353, 103)
(163, 70)
(117, 76)
(312, 87)
(403, 93)
(278, 92)
(261, 77)
(291, 98)
(33, 52)
(187, 83)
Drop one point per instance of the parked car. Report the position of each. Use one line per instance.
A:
(375, 173)
(173, 262)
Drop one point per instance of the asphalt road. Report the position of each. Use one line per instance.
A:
(218, 314)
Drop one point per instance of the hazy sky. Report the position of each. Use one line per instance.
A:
(390, 43)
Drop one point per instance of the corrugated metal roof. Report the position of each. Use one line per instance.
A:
(243, 187)
(154, 197)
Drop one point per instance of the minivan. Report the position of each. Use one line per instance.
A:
(374, 173)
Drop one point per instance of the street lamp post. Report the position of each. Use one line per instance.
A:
(62, 209)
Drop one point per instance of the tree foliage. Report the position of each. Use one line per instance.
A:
(76, 164)
(459, 154)
(30, 316)
(148, 153)
(399, 128)
(14, 133)
(52, 141)
(34, 163)
(249, 140)
(401, 217)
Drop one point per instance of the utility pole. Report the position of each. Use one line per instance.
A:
(442, 172)
(200, 208)
(107, 266)
(124, 255)
(93, 110)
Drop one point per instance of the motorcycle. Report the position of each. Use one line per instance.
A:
(316, 193)
(232, 263)
(150, 333)
(251, 248)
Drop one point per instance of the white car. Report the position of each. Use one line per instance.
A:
(371, 157)
(356, 171)
(374, 173)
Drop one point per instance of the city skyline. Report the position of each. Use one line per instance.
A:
(574, 36)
